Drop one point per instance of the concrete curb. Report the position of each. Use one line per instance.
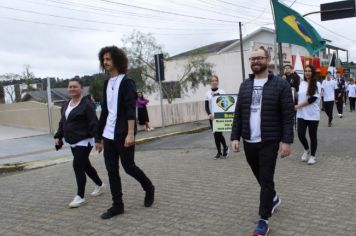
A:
(6, 168)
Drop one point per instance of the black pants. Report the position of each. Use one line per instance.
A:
(312, 126)
(340, 104)
(262, 158)
(352, 103)
(82, 166)
(113, 151)
(329, 107)
(219, 138)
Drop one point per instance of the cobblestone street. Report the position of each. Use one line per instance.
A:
(195, 195)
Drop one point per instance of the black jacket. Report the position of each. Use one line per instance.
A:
(293, 80)
(126, 109)
(81, 124)
(277, 111)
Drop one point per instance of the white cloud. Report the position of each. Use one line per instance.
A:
(63, 52)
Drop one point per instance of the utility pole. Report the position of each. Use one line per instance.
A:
(280, 57)
(242, 53)
(159, 67)
(49, 105)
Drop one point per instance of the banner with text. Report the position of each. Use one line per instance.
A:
(223, 108)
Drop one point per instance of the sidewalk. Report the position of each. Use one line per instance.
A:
(36, 151)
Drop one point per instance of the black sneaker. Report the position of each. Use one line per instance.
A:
(113, 211)
(217, 156)
(226, 152)
(330, 124)
(150, 197)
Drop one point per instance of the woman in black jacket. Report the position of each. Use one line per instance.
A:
(78, 126)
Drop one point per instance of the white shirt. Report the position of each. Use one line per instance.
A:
(255, 116)
(210, 94)
(329, 90)
(112, 94)
(84, 142)
(311, 111)
(351, 88)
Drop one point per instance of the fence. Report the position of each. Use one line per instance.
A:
(34, 115)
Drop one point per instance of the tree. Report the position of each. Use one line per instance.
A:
(196, 71)
(96, 85)
(141, 49)
(9, 82)
(28, 77)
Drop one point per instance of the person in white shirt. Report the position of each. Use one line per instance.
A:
(308, 113)
(351, 89)
(218, 136)
(78, 126)
(328, 88)
(117, 129)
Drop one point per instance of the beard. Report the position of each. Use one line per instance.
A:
(258, 70)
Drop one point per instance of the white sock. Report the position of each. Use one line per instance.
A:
(265, 221)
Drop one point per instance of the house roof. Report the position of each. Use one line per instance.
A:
(221, 46)
(211, 48)
(58, 94)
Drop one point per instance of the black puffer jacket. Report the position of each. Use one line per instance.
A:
(277, 111)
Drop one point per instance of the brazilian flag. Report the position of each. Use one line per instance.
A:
(292, 28)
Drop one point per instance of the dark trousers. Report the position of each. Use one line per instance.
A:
(262, 158)
(329, 107)
(82, 166)
(352, 103)
(113, 151)
(312, 126)
(219, 139)
(340, 103)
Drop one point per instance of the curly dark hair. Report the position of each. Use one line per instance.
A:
(312, 83)
(118, 57)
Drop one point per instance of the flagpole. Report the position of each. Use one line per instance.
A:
(280, 54)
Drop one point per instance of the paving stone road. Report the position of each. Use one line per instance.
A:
(196, 195)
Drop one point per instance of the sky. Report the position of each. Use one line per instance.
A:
(61, 38)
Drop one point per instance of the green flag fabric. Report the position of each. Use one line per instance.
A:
(292, 28)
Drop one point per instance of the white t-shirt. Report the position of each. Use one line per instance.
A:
(329, 87)
(210, 94)
(255, 117)
(311, 111)
(112, 94)
(84, 142)
(351, 88)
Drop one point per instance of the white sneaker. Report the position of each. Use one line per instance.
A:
(77, 202)
(305, 156)
(98, 190)
(311, 160)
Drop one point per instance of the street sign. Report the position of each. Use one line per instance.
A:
(338, 10)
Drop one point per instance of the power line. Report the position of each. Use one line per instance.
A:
(168, 12)
(92, 29)
(99, 22)
(341, 36)
(292, 3)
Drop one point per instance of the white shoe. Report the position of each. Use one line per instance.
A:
(339, 115)
(77, 202)
(98, 190)
(305, 156)
(311, 160)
